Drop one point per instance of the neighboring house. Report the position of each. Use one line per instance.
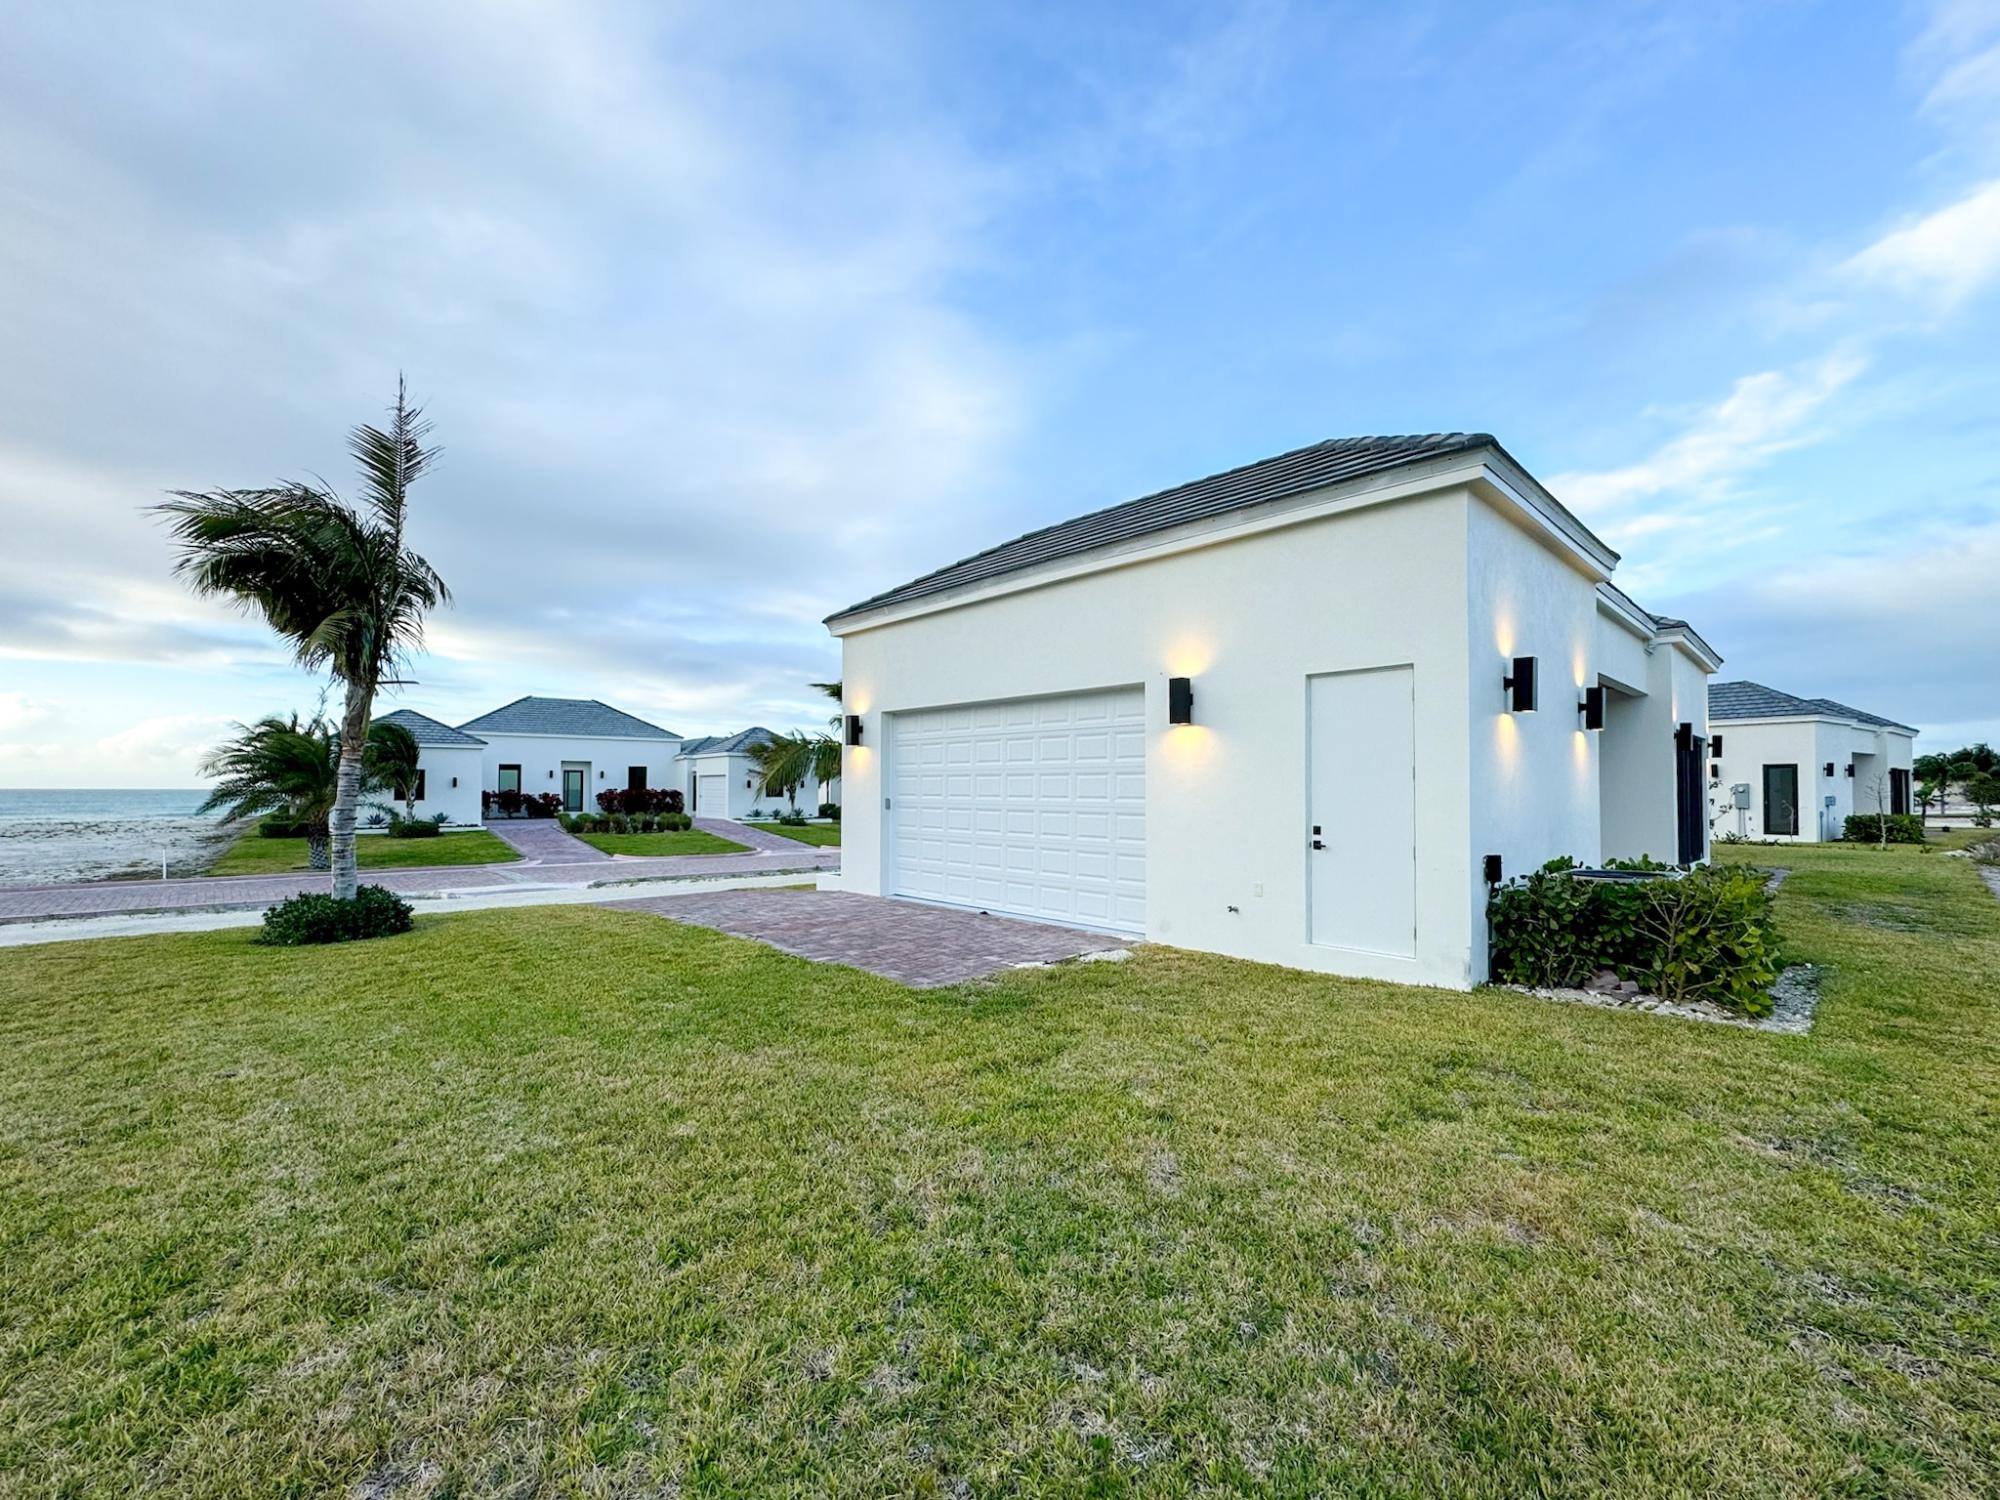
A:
(574, 747)
(1267, 713)
(720, 778)
(448, 762)
(1793, 768)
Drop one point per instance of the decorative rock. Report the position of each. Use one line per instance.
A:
(1794, 994)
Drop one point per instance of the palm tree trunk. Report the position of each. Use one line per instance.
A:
(347, 792)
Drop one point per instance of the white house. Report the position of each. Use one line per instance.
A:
(1793, 769)
(574, 747)
(1299, 712)
(720, 780)
(448, 768)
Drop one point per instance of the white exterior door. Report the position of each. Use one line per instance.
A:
(1032, 806)
(711, 795)
(1363, 839)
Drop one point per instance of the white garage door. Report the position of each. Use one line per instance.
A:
(711, 796)
(1035, 806)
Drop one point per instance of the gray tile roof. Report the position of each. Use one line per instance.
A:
(1296, 473)
(428, 731)
(1752, 700)
(577, 716)
(727, 744)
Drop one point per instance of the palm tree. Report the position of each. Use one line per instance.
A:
(833, 691)
(787, 761)
(392, 758)
(334, 580)
(291, 767)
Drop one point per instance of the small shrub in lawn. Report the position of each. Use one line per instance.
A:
(792, 818)
(620, 823)
(1706, 935)
(414, 828)
(280, 828)
(830, 810)
(1866, 828)
(317, 918)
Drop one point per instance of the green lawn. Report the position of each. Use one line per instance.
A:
(824, 835)
(687, 841)
(578, 1201)
(253, 854)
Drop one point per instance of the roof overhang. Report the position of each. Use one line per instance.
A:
(1487, 471)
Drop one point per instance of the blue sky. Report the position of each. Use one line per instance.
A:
(730, 316)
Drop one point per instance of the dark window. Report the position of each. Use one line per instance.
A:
(1899, 791)
(635, 778)
(1690, 798)
(1781, 799)
(510, 778)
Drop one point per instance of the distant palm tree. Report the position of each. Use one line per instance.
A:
(333, 580)
(286, 766)
(833, 691)
(393, 759)
(787, 762)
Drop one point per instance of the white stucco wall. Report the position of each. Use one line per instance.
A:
(1249, 619)
(541, 758)
(442, 764)
(739, 775)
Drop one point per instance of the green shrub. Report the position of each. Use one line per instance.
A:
(1707, 935)
(280, 828)
(316, 918)
(420, 828)
(830, 810)
(792, 818)
(1866, 828)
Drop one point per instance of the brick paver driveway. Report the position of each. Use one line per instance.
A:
(918, 945)
(543, 839)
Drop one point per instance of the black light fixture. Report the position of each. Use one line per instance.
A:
(454, 781)
(1829, 768)
(1715, 745)
(1520, 686)
(1180, 700)
(1850, 768)
(1591, 706)
(854, 729)
(1490, 868)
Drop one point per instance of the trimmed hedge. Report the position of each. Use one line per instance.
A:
(315, 918)
(1866, 828)
(1706, 935)
(414, 828)
(280, 828)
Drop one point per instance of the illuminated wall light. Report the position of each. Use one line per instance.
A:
(1520, 686)
(1180, 700)
(1591, 706)
(854, 729)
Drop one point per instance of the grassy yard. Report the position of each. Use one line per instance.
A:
(253, 854)
(823, 835)
(686, 841)
(578, 1201)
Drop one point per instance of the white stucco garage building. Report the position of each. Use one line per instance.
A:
(1335, 625)
(1792, 769)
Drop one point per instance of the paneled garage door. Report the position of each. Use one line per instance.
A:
(1035, 806)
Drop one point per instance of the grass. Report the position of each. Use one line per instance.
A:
(576, 1201)
(253, 854)
(822, 835)
(685, 841)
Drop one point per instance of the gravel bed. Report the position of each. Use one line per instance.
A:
(1794, 995)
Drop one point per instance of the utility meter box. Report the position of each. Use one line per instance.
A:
(1739, 795)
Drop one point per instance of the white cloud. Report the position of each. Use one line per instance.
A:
(1763, 415)
(1946, 256)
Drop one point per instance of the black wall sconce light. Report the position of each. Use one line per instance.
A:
(854, 729)
(1180, 700)
(1490, 867)
(1715, 744)
(1520, 686)
(1850, 768)
(1591, 706)
(454, 781)
(1829, 768)
(552, 775)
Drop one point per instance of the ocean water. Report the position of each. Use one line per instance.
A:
(94, 833)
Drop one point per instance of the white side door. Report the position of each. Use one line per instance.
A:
(1361, 751)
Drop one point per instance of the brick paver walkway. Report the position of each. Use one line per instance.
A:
(743, 833)
(917, 945)
(543, 839)
(218, 893)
